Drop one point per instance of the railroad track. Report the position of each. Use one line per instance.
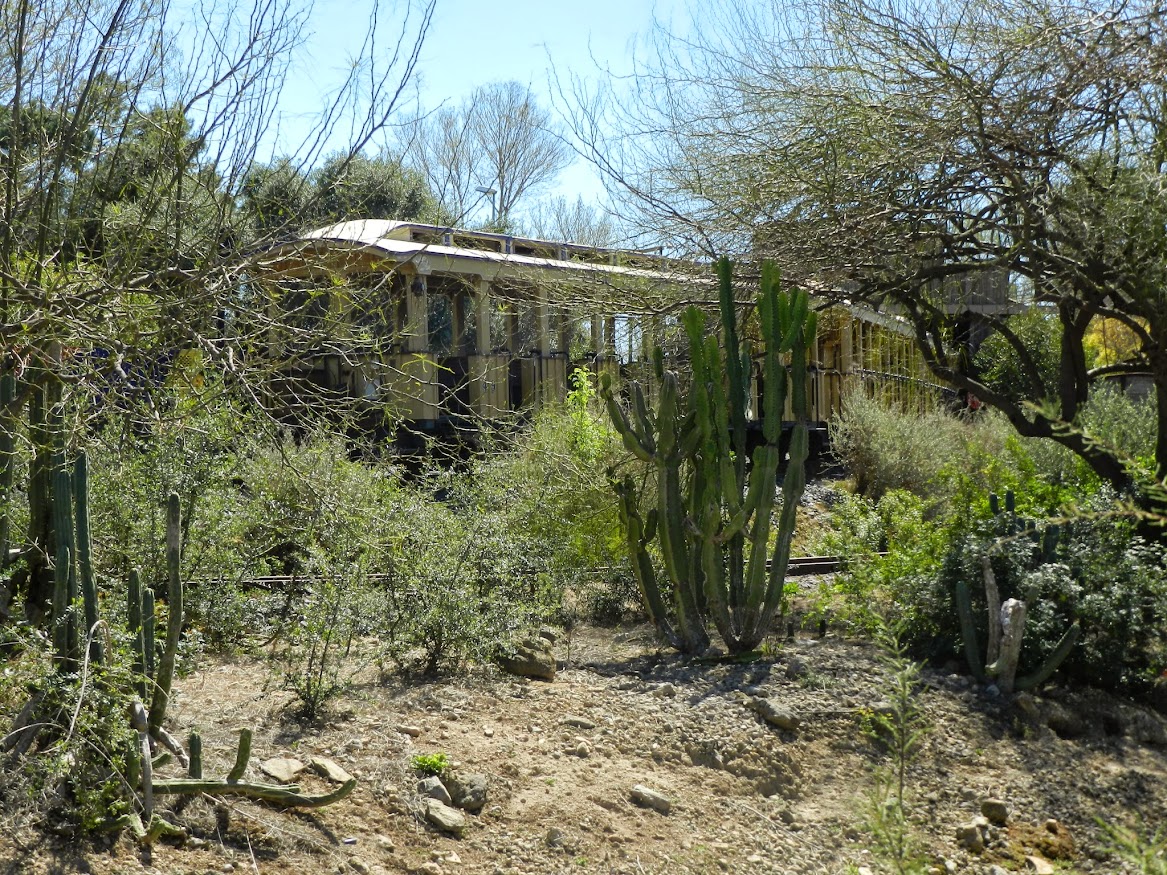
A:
(799, 566)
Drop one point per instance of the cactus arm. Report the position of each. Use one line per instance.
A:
(766, 461)
(645, 416)
(763, 472)
(633, 441)
(161, 697)
(134, 621)
(637, 536)
(85, 555)
(993, 604)
(968, 630)
(736, 374)
(149, 622)
(61, 614)
(277, 794)
(667, 419)
(1043, 674)
(795, 319)
(195, 744)
(793, 485)
(714, 572)
(242, 754)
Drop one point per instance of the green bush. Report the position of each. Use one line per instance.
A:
(1102, 575)
(870, 590)
(77, 781)
(885, 448)
(464, 578)
(317, 650)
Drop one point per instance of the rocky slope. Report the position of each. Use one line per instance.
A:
(764, 767)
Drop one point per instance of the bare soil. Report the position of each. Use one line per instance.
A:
(562, 756)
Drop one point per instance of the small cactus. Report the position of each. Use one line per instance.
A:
(1006, 620)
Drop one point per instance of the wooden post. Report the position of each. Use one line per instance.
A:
(543, 314)
(482, 317)
(563, 334)
(417, 314)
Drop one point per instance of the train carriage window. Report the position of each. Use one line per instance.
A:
(441, 324)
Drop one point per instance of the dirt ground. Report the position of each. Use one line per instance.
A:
(561, 758)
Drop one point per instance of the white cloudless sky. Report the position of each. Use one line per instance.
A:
(473, 42)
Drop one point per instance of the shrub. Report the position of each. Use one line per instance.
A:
(1103, 576)
(463, 578)
(431, 764)
(885, 448)
(318, 664)
(870, 589)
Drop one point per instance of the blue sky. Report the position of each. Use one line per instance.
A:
(472, 42)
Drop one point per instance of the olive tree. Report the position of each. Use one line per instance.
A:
(897, 153)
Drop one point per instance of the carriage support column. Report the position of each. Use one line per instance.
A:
(417, 314)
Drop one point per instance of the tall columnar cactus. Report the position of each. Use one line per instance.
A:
(73, 622)
(161, 697)
(84, 547)
(1006, 620)
(713, 508)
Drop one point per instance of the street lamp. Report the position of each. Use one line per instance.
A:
(490, 193)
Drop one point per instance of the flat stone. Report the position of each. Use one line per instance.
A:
(775, 714)
(283, 769)
(577, 722)
(326, 768)
(433, 788)
(444, 817)
(468, 792)
(411, 731)
(651, 799)
(996, 810)
(1039, 865)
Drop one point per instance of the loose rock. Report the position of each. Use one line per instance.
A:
(996, 810)
(532, 658)
(651, 799)
(971, 836)
(445, 818)
(577, 722)
(774, 714)
(468, 791)
(283, 769)
(433, 788)
(326, 768)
